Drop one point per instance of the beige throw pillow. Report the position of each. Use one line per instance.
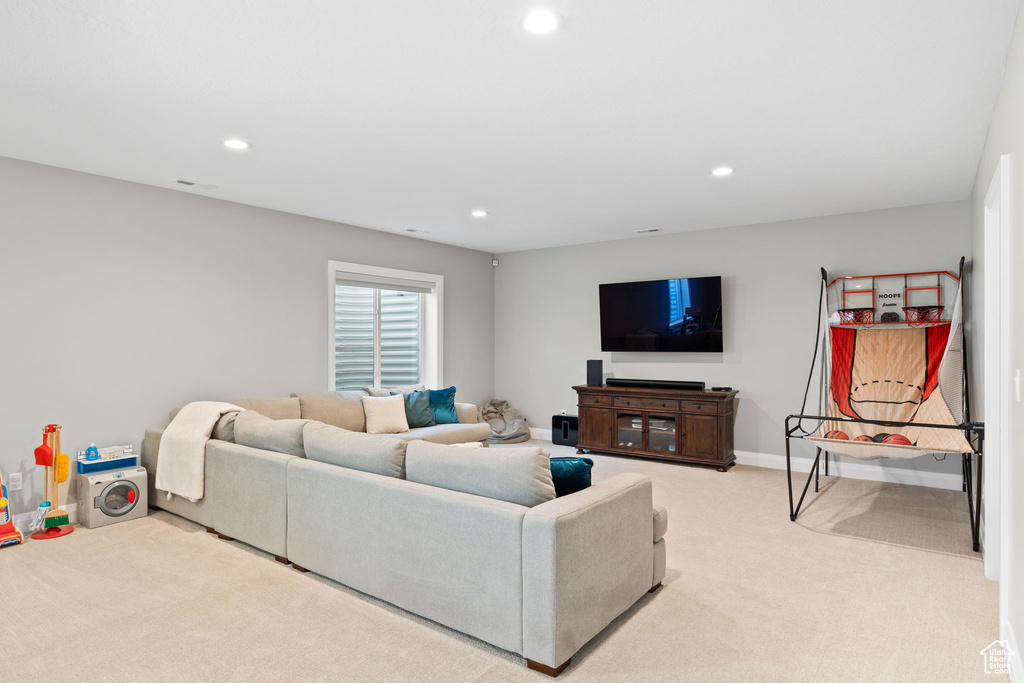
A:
(385, 415)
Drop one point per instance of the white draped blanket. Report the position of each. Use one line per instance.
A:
(181, 461)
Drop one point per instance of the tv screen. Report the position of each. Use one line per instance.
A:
(684, 314)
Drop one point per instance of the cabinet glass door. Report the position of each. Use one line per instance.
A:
(661, 433)
(629, 430)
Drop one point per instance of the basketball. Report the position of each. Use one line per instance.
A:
(879, 438)
(837, 434)
(862, 437)
(897, 439)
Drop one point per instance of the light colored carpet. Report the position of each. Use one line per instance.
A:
(873, 582)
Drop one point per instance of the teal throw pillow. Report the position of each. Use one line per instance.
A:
(417, 408)
(570, 474)
(442, 406)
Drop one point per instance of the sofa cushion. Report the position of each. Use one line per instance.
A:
(274, 408)
(442, 406)
(450, 433)
(417, 408)
(660, 522)
(385, 415)
(515, 475)
(571, 474)
(380, 393)
(224, 430)
(355, 450)
(338, 408)
(259, 431)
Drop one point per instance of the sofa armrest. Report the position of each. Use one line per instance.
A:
(587, 558)
(200, 512)
(467, 412)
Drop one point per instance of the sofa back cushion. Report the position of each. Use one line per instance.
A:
(515, 475)
(259, 431)
(355, 450)
(274, 408)
(338, 408)
(224, 430)
(380, 393)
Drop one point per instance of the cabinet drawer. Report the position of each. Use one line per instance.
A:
(694, 407)
(646, 403)
(595, 400)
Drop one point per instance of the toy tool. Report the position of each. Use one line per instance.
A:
(56, 522)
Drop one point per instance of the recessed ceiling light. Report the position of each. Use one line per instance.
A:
(541, 22)
(722, 171)
(478, 213)
(236, 144)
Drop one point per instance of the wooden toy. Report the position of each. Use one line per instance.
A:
(56, 522)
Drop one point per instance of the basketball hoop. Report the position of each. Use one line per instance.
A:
(922, 315)
(856, 316)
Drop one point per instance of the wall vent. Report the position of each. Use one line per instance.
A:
(192, 183)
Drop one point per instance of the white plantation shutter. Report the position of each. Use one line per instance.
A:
(400, 338)
(353, 337)
(378, 337)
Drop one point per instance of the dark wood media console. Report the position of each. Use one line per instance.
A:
(668, 424)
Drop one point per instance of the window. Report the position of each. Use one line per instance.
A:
(384, 327)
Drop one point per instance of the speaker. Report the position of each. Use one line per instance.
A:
(656, 383)
(595, 373)
(565, 429)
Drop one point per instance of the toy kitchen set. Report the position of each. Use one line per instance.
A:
(111, 486)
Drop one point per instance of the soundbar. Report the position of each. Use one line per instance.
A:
(655, 383)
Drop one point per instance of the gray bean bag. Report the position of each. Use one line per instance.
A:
(508, 425)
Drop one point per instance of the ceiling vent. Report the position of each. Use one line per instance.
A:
(414, 231)
(647, 231)
(192, 183)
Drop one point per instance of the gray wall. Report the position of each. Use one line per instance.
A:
(1006, 136)
(548, 323)
(121, 300)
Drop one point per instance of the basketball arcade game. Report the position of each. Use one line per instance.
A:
(891, 363)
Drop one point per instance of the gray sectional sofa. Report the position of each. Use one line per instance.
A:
(538, 580)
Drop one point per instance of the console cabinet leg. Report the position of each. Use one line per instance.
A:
(544, 669)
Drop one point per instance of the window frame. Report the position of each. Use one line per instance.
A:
(431, 326)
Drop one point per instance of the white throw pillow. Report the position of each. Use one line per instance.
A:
(385, 415)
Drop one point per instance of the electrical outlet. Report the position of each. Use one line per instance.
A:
(15, 483)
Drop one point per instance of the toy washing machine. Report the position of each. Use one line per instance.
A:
(114, 496)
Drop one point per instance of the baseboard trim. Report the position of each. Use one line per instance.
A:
(542, 434)
(23, 520)
(1017, 659)
(843, 467)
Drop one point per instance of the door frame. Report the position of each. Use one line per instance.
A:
(997, 377)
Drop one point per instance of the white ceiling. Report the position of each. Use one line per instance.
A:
(399, 114)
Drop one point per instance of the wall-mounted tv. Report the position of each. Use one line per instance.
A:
(684, 314)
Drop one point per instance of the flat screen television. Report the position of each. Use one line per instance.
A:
(684, 314)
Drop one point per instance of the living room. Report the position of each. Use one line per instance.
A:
(514, 162)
